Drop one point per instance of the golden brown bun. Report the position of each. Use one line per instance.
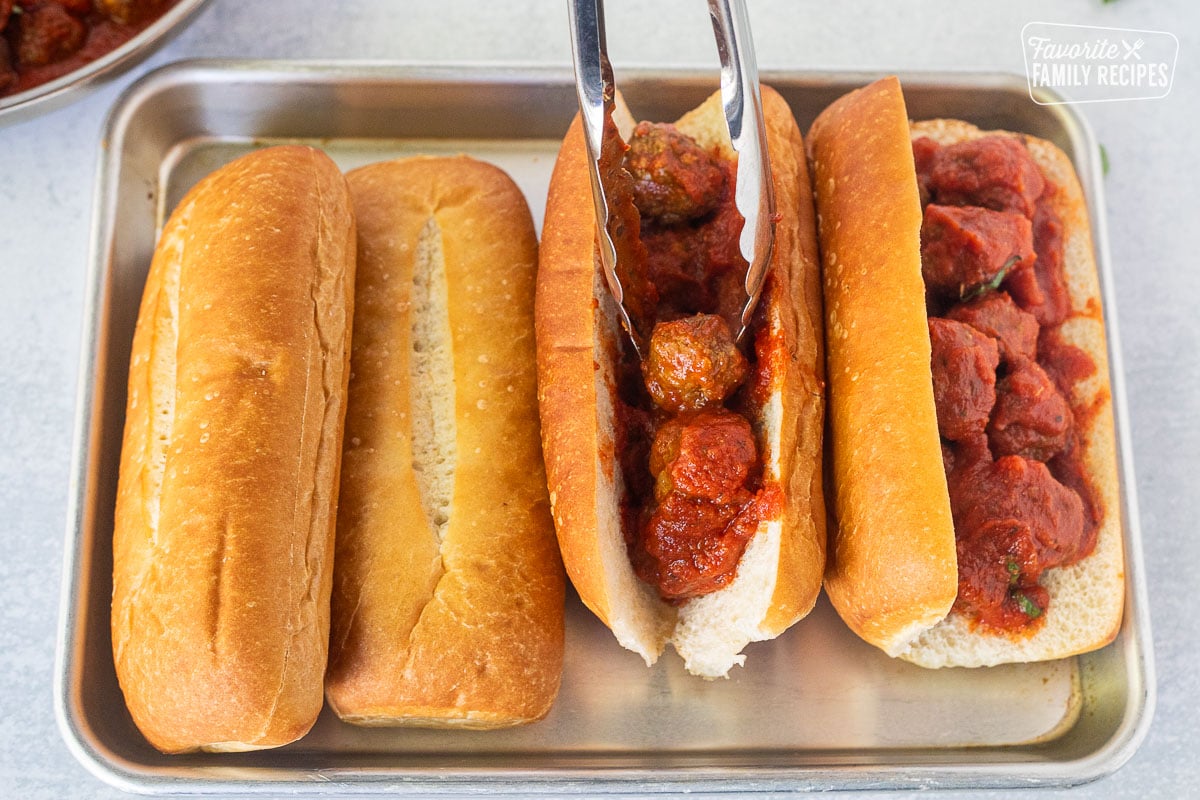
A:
(578, 337)
(892, 573)
(223, 538)
(892, 568)
(448, 588)
(1087, 598)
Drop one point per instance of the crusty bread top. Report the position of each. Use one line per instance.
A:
(578, 342)
(448, 588)
(1086, 598)
(229, 468)
(892, 568)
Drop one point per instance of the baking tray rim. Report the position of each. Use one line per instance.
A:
(1118, 749)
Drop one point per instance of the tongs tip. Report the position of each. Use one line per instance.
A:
(742, 103)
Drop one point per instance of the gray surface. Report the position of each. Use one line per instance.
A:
(48, 164)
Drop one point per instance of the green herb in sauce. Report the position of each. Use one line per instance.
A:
(995, 282)
(1029, 607)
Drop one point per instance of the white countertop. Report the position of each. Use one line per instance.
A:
(47, 174)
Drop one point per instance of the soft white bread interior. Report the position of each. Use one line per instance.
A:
(1086, 598)
(448, 587)
(579, 339)
(222, 548)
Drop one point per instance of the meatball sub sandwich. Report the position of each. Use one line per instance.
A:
(973, 459)
(686, 487)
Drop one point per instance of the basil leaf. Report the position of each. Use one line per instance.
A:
(1029, 607)
(995, 282)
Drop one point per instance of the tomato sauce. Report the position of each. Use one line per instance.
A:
(1011, 438)
(101, 35)
(694, 489)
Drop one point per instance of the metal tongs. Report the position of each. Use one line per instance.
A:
(740, 96)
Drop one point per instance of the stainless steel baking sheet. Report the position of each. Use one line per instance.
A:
(814, 709)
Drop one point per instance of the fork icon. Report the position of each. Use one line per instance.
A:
(1132, 50)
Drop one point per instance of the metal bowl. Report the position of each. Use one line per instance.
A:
(60, 91)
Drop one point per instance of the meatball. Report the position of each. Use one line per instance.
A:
(1016, 488)
(693, 363)
(963, 249)
(708, 454)
(674, 178)
(691, 546)
(703, 464)
(964, 365)
(47, 33)
(677, 268)
(995, 313)
(995, 172)
(998, 575)
(698, 268)
(1031, 419)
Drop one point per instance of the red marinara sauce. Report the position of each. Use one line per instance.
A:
(42, 40)
(1020, 495)
(695, 493)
